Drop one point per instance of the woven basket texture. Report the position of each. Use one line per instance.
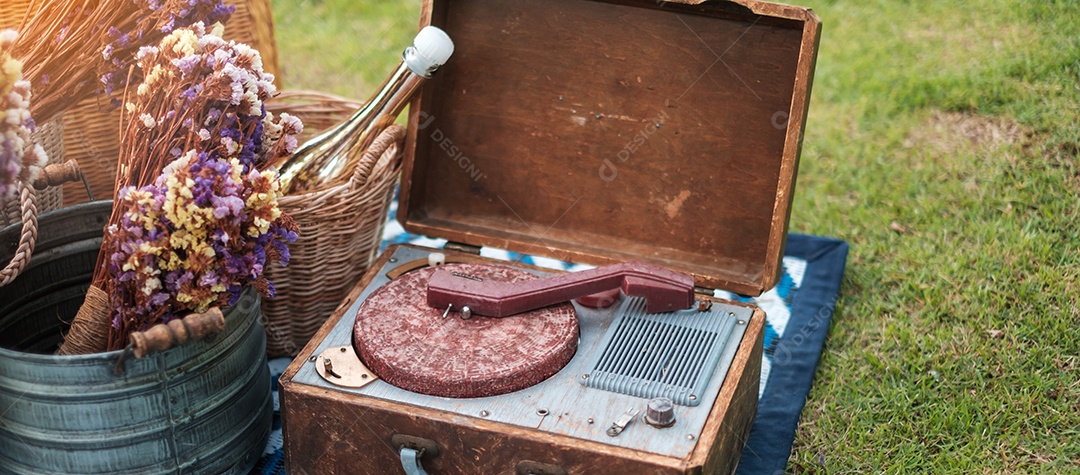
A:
(340, 228)
(51, 137)
(12, 13)
(93, 127)
(318, 110)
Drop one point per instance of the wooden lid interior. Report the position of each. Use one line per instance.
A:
(597, 132)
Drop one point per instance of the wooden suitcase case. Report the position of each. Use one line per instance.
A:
(592, 131)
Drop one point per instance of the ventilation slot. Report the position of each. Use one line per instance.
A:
(666, 354)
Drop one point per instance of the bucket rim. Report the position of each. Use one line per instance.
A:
(249, 294)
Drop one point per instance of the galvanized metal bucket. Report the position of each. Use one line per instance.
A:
(203, 407)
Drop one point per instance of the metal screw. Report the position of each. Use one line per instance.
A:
(598, 116)
(742, 322)
(731, 314)
(313, 358)
(363, 376)
(484, 413)
(689, 436)
(393, 260)
(590, 420)
(560, 98)
(541, 412)
(343, 349)
(693, 397)
(585, 376)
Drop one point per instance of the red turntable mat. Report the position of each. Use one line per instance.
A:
(410, 345)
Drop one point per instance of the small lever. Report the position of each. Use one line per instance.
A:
(664, 290)
(620, 425)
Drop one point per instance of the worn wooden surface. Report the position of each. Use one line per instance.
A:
(733, 415)
(356, 438)
(332, 431)
(604, 131)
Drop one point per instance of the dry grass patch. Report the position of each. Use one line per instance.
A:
(949, 133)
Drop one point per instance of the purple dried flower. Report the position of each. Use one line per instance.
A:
(20, 158)
(212, 216)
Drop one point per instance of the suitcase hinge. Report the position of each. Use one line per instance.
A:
(462, 247)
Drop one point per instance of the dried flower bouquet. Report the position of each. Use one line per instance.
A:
(196, 216)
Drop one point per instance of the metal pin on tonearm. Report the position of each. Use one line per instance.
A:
(466, 312)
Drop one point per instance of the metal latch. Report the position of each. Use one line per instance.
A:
(411, 450)
(410, 461)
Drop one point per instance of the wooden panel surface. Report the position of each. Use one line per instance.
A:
(733, 415)
(604, 131)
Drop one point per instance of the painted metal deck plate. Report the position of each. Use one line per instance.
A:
(561, 404)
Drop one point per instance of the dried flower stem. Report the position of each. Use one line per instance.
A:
(74, 49)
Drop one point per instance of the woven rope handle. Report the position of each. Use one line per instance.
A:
(28, 237)
(392, 135)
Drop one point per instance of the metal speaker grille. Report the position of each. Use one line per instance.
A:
(666, 354)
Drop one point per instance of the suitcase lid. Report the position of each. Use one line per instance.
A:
(602, 131)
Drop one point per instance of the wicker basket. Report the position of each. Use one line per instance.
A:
(12, 13)
(51, 137)
(93, 127)
(340, 229)
(318, 110)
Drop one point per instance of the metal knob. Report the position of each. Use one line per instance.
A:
(660, 412)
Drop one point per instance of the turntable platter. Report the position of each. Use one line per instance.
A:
(414, 347)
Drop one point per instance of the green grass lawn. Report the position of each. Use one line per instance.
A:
(944, 145)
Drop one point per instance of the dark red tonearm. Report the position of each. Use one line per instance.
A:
(664, 290)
